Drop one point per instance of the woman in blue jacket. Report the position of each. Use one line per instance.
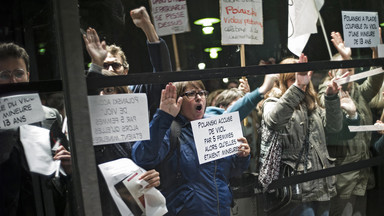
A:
(190, 188)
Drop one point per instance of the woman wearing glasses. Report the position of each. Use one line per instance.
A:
(189, 188)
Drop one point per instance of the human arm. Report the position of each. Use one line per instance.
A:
(97, 50)
(65, 157)
(152, 177)
(149, 153)
(247, 103)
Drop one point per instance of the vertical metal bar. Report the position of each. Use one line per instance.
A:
(70, 58)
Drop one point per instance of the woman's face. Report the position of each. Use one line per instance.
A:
(193, 108)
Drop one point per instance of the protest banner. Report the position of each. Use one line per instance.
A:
(360, 29)
(170, 16)
(241, 22)
(118, 118)
(20, 110)
(216, 137)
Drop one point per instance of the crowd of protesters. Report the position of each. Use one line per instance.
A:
(312, 125)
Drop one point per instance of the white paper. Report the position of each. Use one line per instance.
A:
(119, 118)
(20, 110)
(302, 19)
(363, 128)
(37, 149)
(117, 170)
(359, 76)
(360, 29)
(170, 17)
(216, 137)
(241, 22)
(380, 50)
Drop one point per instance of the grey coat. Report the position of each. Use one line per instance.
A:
(289, 115)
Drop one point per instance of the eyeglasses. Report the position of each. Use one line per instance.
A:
(115, 65)
(193, 94)
(7, 75)
(109, 90)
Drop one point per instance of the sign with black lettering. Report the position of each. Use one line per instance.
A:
(361, 29)
(242, 22)
(170, 16)
(20, 110)
(216, 137)
(118, 118)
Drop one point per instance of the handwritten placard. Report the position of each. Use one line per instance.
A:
(241, 22)
(20, 110)
(170, 16)
(118, 118)
(216, 137)
(361, 29)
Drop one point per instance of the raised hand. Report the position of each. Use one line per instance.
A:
(347, 104)
(152, 177)
(269, 81)
(244, 86)
(303, 78)
(332, 87)
(96, 50)
(169, 102)
(338, 42)
(142, 20)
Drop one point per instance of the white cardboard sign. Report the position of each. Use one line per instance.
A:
(363, 128)
(118, 118)
(359, 76)
(241, 22)
(361, 29)
(20, 110)
(170, 16)
(216, 137)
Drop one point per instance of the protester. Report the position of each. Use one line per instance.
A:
(21, 190)
(113, 58)
(110, 152)
(294, 111)
(197, 189)
(352, 186)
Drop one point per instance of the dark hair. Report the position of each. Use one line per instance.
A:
(11, 50)
(181, 86)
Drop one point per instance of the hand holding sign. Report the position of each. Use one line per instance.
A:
(244, 149)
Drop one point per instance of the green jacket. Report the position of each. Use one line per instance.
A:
(356, 149)
(289, 115)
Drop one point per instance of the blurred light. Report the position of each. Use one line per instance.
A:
(89, 64)
(381, 24)
(201, 66)
(42, 51)
(206, 21)
(208, 30)
(213, 52)
(207, 24)
(225, 80)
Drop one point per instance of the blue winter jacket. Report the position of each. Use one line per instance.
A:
(202, 189)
